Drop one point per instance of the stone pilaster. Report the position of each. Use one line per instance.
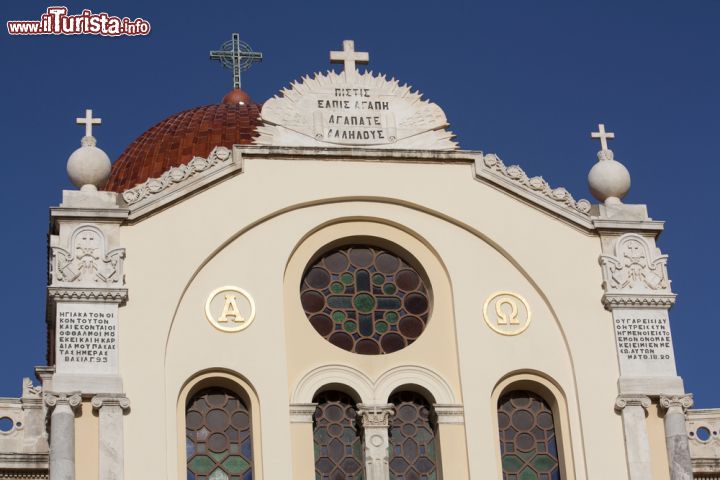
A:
(375, 421)
(62, 433)
(111, 409)
(676, 440)
(632, 408)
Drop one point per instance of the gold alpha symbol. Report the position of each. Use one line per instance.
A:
(231, 310)
(230, 318)
(510, 313)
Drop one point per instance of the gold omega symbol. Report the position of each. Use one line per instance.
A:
(507, 318)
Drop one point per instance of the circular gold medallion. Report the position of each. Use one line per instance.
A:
(230, 309)
(507, 313)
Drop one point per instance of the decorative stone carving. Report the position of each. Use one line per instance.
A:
(87, 261)
(623, 401)
(360, 110)
(683, 402)
(100, 401)
(703, 431)
(29, 390)
(375, 416)
(375, 420)
(73, 400)
(175, 175)
(636, 266)
(80, 295)
(537, 185)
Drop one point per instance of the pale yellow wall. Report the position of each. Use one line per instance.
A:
(244, 231)
(86, 443)
(658, 448)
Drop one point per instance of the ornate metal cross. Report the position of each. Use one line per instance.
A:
(236, 55)
(88, 121)
(349, 57)
(602, 135)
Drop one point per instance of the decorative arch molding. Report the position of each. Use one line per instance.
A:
(319, 378)
(414, 376)
(374, 392)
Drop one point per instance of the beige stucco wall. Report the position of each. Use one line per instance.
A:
(86, 443)
(475, 239)
(658, 449)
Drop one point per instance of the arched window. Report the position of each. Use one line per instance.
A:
(218, 436)
(413, 448)
(527, 437)
(337, 438)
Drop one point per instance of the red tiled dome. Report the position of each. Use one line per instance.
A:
(180, 137)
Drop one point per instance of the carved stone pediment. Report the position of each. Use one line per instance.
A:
(86, 260)
(362, 110)
(637, 266)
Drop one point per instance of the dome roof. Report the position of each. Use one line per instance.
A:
(182, 136)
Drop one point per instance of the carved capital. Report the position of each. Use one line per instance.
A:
(52, 399)
(623, 401)
(449, 413)
(100, 401)
(375, 416)
(682, 402)
(302, 412)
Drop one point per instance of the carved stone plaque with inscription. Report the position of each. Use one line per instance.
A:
(644, 342)
(86, 338)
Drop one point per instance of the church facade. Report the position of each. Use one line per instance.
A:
(326, 286)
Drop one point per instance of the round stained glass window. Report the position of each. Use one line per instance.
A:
(365, 300)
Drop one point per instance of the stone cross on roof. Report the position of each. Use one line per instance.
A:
(236, 55)
(603, 136)
(349, 57)
(88, 121)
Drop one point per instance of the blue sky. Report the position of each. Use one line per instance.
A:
(527, 80)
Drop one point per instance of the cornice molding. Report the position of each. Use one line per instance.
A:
(94, 295)
(628, 300)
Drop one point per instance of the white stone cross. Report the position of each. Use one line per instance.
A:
(602, 135)
(88, 121)
(349, 56)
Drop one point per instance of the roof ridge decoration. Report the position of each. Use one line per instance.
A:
(175, 175)
(353, 109)
(537, 185)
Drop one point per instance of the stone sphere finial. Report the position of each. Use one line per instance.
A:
(609, 180)
(88, 167)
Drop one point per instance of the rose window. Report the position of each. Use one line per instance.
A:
(365, 300)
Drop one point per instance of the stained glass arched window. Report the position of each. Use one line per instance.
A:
(413, 450)
(337, 438)
(527, 438)
(218, 436)
(365, 299)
